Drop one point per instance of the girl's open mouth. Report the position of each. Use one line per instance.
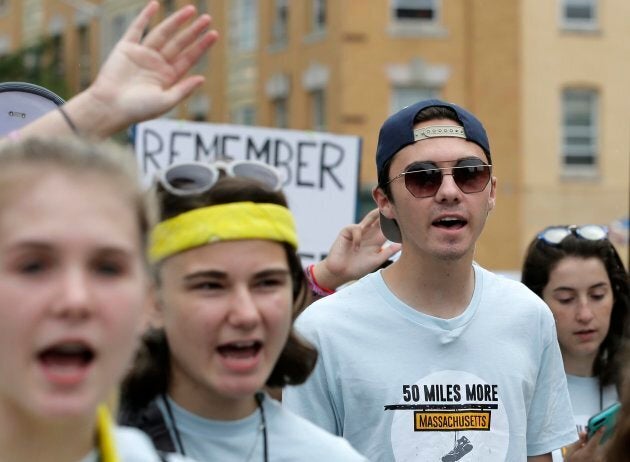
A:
(66, 363)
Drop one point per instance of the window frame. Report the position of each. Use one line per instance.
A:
(589, 150)
(317, 98)
(84, 43)
(244, 26)
(5, 6)
(435, 11)
(280, 111)
(577, 24)
(244, 114)
(319, 6)
(280, 23)
(424, 92)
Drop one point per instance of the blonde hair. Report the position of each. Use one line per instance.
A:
(23, 161)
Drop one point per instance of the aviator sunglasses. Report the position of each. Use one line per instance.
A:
(423, 179)
(191, 178)
(554, 235)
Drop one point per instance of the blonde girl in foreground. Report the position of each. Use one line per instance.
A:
(73, 287)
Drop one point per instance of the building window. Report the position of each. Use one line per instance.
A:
(407, 95)
(579, 14)
(202, 6)
(169, 7)
(280, 113)
(56, 55)
(318, 110)
(244, 115)
(119, 25)
(579, 141)
(203, 62)
(5, 45)
(4, 6)
(280, 28)
(85, 61)
(319, 15)
(415, 10)
(244, 25)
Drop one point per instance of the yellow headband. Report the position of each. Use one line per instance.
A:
(225, 222)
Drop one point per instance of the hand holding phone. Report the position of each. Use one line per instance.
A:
(605, 418)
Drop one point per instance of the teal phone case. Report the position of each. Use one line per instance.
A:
(606, 418)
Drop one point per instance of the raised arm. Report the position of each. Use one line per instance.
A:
(141, 79)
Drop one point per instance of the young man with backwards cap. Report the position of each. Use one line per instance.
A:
(434, 357)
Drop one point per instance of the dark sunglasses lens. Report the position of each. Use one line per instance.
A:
(471, 178)
(592, 232)
(423, 183)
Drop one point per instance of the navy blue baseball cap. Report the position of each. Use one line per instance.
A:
(398, 132)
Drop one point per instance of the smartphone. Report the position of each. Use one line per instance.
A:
(606, 418)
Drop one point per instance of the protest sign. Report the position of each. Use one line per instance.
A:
(320, 170)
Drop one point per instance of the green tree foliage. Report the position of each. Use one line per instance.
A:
(40, 64)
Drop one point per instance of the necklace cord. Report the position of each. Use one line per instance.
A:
(259, 396)
(178, 438)
(263, 423)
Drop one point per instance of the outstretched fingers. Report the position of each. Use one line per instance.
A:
(185, 38)
(190, 56)
(139, 24)
(161, 34)
(182, 89)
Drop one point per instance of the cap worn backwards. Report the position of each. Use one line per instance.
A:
(398, 132)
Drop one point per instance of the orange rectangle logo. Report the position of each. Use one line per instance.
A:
(451, 421)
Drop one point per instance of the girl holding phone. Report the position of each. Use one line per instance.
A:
(579, 274)
(229, 283)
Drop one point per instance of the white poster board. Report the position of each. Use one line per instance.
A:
(321, 170)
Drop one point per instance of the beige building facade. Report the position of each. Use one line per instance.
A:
(72, 26)
(10, 25)
(575, 115)
(547, 78)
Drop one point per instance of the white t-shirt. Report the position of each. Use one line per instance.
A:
(132, 445)
(289, 437)
(401, 385)
(587, 401)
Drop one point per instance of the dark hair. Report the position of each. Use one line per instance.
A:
(151, 374)
(542, 258)
(429, 113)
(619, 446)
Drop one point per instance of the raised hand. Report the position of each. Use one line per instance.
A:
(141, 79)
(145, 77)
(358, 250)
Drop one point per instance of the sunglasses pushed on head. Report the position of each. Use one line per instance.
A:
(554, 235)
(192, 178)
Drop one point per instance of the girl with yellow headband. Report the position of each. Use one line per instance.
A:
(73, 289)
(229, 283)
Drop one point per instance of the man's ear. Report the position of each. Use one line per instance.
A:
(493, 194)
(383, 202)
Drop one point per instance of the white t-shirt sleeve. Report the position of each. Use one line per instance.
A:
(550, 408)
(316, 399)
